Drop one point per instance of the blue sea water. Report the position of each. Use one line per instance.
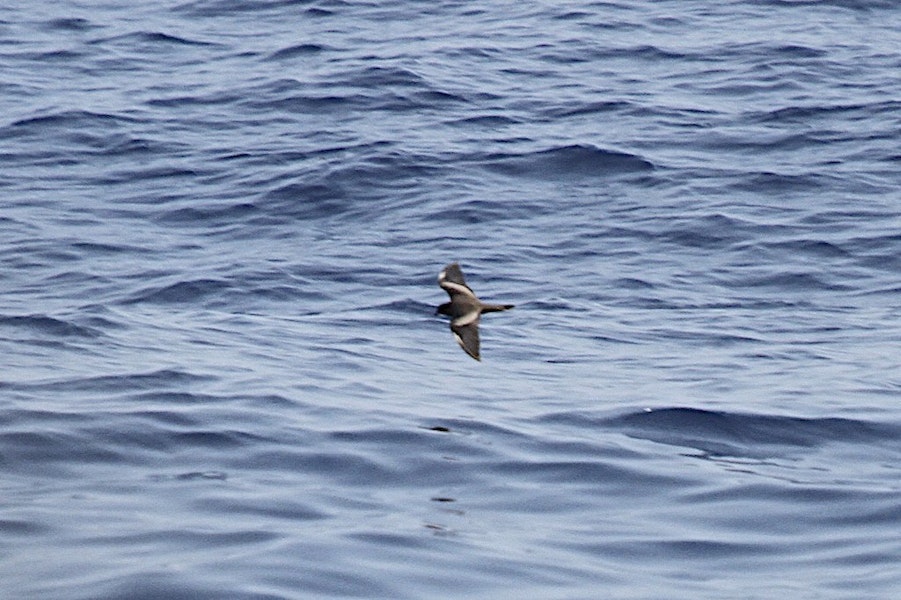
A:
(221, 224)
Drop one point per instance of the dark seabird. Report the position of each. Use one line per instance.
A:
(464, 309)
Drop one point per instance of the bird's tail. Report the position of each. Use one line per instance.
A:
(496, 307)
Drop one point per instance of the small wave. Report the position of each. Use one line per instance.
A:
(806, 247)
(706, 231)
(486, 120)
(798, 281)
(74, 119)
(770, 183)
(60, 56)
(70, 24)
(48, 451)
(180, 292)
(590, 108)
(153, 38)
(155, 380)
(300, 50)
(305, 103)
(106, 249)
(235, 8)
(386, 76)
(795, 51)
(568, 161)
(805, 114)
(306, 200)
(746, 435)
(203, 216)
(49, 326)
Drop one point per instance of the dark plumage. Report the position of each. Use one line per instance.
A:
(464, 309)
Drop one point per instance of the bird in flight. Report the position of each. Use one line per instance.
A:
(464, 309)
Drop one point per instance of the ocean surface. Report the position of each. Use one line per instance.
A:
(221, 226)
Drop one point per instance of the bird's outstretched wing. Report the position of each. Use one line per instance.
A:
(451, 280)
(468, 337)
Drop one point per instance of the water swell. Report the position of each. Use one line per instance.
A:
(745, 434)
(578, 160)
(45, 325)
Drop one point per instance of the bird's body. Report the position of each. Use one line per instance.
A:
(465, 309)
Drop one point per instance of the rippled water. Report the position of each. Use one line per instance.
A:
(221, 227)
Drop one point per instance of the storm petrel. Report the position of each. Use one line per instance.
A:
(464, 309)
